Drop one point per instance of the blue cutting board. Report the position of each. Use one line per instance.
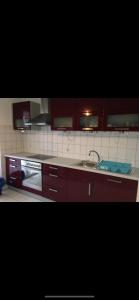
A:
(115, 167)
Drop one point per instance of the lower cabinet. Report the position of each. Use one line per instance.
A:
(55, 183)
(70, 185)
(114, 189)
(80, 186)
(13, 172)
(63, 184)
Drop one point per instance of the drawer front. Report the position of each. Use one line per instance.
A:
(13, 181)
(14, 170)
(57, 194)
(54, 171)
(13, 161)
(55, 181)
(125, 183)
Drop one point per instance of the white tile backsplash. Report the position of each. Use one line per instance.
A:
(115, 146)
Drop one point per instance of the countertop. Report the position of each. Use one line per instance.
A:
(72, 163)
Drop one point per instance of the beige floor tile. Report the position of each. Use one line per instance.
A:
(13, 196)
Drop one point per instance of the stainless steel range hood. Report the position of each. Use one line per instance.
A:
(43, 117)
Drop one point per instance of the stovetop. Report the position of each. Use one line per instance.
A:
(41, 156)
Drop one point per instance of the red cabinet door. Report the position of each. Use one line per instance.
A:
(89, 114)
(13, 172)
(80, 186)
(114, 189)
(21, 115)
(121, 114)
(63, 112)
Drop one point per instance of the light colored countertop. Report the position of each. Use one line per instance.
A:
(73, 164)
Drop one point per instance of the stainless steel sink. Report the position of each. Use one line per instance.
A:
(87, 164)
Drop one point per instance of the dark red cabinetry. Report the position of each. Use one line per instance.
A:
(114, 189)
(89, 114)
(63, 113)
(21, 115)
(121, 115)
(55, 183)
(62, 184)
(85, 186)
(80, 186)
(94, 114)
(13, 172)
(23, 112)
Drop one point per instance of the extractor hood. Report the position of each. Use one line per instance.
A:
(43, 117)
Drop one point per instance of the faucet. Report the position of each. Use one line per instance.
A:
(93, 151)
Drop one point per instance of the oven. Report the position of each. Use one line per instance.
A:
(31, 174)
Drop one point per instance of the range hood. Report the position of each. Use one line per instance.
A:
(43, 117)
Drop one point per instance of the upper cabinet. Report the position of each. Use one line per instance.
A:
(82, 114)
(89, 114)
(121, 115)
(94, 114)
(63, 113)
(23, 112)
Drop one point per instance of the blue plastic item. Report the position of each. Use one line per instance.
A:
(115, 167)
(2, 183)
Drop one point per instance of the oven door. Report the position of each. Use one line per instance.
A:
(32, 178)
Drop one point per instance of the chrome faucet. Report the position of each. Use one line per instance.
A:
(93, 151)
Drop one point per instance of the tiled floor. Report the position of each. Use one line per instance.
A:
(10, 195)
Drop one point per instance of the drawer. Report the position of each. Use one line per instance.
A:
(118, 181)
(57, 194)
(14, 169)
(54, 171)
(13, 161)
(13, 181)
(54, 180)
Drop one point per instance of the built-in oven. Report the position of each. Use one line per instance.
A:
(31, 174)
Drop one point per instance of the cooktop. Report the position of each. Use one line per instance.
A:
(41, 156)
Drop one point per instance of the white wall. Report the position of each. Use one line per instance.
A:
(6, 111)
(10, 140)
(6, 115)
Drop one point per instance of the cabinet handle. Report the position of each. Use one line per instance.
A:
(53, 168)
(12, 159)
(12, 166)
(115, 181)
(53, 190)
(89, 190)
(122, 128)
(13, 178)
(61, 128)
(52, 175)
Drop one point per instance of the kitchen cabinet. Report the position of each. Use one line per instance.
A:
(95, 114)
(13, 172)
(121, 115)
(80, 185)
(55, 183)
(23, 112)
(89, 114)
(114, 189)
(63, 113)
(63, 184)
(83, 186)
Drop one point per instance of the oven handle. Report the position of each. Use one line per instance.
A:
(27, 167)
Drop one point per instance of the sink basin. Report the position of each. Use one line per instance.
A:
(87, 164)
